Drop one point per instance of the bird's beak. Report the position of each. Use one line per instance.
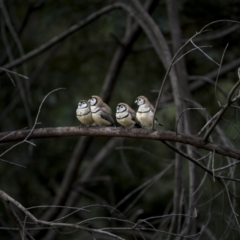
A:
(135, 101)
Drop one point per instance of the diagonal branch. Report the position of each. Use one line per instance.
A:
(18, 222)
(6, 198)
(16, 219)
(61, 36)
(223, 110)
(124, 49)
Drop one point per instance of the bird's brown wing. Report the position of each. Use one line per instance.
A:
(153, 109)
(133, 114)
(107, 116)
(134, 118)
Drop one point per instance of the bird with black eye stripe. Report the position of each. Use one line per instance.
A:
(145, 112)
(126, 116)
(101, 112)
(83, 113)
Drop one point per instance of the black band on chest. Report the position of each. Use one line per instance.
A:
(97, 111)
(84, 113)
(123, 117)
(144, 112)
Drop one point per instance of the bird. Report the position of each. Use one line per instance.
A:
(101, 112)
(83, 113)
(126, 116)
(145, 112)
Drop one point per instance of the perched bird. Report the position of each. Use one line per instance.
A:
(101, 112)
(145, 112)
(126, 116)
(83, 113)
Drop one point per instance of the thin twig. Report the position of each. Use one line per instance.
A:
(225, 49)
(146, 187)
(19, 165)
(52, 42)
(174, 57)
(5, 197)
(223, 110)
(183, 55)
(187, 109)
(12, 31)
(203, 52)
(213, 155)
(142, 186)
(8, 71)
(36, 121)
(227, 166)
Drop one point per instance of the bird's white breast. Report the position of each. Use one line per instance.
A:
(84, 116)
(125, 119)
(82, 111)
(145, 116)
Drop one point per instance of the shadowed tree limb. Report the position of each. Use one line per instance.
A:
(70, 174)
(74, 195)
(23, 232)
(61, 36)
(119, 132)
(6, 198)
(15, 218)
(123, 50)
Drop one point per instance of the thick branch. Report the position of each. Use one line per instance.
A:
(119, 132)
(124, 49)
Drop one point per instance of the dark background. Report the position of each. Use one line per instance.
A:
(80, 63)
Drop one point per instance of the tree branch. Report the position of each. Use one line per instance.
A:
(61, 36)
(5, 197)
(119, 132)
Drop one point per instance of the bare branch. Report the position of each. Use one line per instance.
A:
(218, 74)
(223, 110)
(36, 121)
(5, 197)
(182, 113)
(119, 132)
(61, 36)
(203, 52)
(15, 218)
(8, 71)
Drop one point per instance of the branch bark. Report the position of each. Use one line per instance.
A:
(198, 142)
(122, 52)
